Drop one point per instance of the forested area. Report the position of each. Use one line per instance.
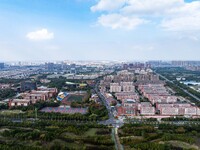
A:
(51, 135)
(160, 137)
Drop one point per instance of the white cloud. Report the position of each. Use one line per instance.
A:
(171, 15)
(183, 18)
(108, 5)
(150, 7)
(116, 21)
(184, 23)
(185, 8)
(42, 34)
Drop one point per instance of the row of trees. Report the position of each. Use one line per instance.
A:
(189, 90)
(180, 119)
(173, 73)
(178, 91)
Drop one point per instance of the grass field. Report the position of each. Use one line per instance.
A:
(91, 132)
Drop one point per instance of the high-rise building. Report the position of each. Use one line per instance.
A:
(73, 70)
(115, 87)
(49, 66)
(1, 65)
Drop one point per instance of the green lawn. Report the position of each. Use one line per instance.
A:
(72, 135)
(91, 132)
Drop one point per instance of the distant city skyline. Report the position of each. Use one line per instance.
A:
(118, 30)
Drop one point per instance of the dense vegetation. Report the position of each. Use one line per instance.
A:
(99, 111)
(4, 106)
(188, 89)
(180, 119)
(179, 92)
(161, 137)
(175, 72)
(6, 93)
(54, 135)
(60, 84)
(11, 81)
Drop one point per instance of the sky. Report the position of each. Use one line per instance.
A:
(32, 30)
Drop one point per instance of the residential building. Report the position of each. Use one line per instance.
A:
(19, 102)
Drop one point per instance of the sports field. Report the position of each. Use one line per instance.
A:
(74, 97)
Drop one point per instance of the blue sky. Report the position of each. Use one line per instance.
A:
(99, 30)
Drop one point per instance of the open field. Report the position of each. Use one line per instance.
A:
(91, 132)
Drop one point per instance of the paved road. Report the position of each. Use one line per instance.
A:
(111, 121)
(195, 97)
(118, 145)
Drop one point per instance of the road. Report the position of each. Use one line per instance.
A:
(118, 145)
(195, 97)
(111, 121)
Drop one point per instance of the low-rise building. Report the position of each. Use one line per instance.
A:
(169, 111)
(177, 109)
(127, 95)
(147, 111)
(5, 86)
(19, 102)
(41, 94)
(115, 87)
(126, 111)
(190, 111)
